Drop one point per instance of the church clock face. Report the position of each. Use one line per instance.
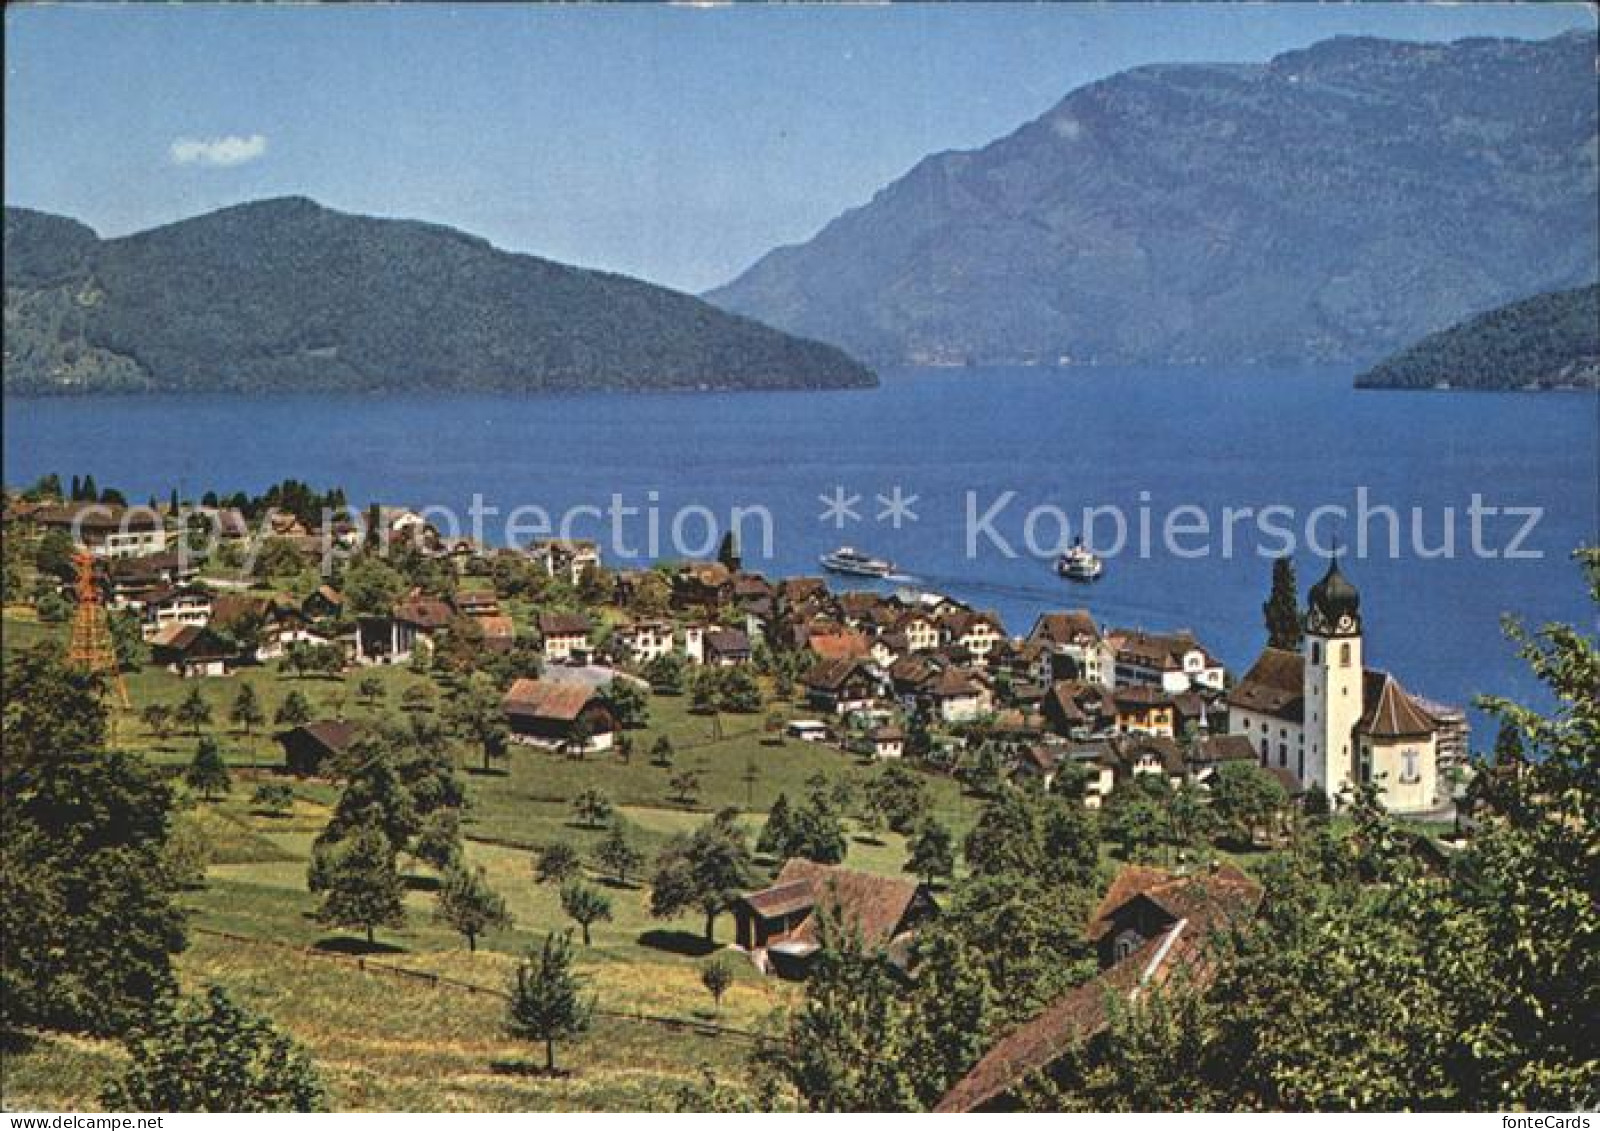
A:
(1346, 623)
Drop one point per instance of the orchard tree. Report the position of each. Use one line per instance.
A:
(585, 905)
(933, 855)
(470, 906)
(360, 887)
(294, 711)
(208, 772)
(246, 712)
(193, 711)
(273, 798)
(717, 977)
(618, 855)
(592, 808)
(158, 719)
(556, 863)
(1246, 799)
(206, 1054)
(661, 753)
(547, 1001)
(706, 871)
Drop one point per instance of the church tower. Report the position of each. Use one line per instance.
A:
(1333, 682)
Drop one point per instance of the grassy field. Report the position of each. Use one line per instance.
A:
(385, 1042)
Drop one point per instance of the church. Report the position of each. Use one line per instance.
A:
(1333, 721)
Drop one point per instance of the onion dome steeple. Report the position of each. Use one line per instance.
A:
(1334, 605)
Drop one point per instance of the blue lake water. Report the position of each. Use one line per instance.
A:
(1067, 440)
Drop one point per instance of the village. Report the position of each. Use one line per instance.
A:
(858, 735)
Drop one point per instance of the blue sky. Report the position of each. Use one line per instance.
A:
(674, 143)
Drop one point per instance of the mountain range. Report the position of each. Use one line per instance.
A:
(1548, 341)
(286, 295)
(1333, 204)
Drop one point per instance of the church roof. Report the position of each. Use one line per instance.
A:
(1334, 596)
(1390, 712)
(1274, 685)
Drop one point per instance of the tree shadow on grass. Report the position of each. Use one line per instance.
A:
(491, 772)
(415, 882)
(354, 944)
(619, 885)
(677, 942)
(527, 1068)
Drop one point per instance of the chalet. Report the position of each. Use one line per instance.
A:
(499, 631)
(131, 579)
(778, 926)
(976, 634)
(566, 558)
(426, 615)
(193, 651)
(1142, 710)
(477, 603)
(1148, 754)
(887, 742)
(920, 630)
(1171, 662)
(1151, 926)
(1076, 709)
(108, 531)
(180, 605)
(956, 695)
(1076, 647)
(844, 686)
(307, 749)
(564, 636)
(702, 585)
(726, 648)
(547, 713)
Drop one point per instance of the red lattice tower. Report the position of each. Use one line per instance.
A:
(91, 647)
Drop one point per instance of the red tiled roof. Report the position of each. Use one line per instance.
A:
(1199, 905)
(560, 700)
(1390, 712)
(563, 624)
(1070, 627)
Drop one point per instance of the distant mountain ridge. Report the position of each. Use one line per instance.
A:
(1545, 342)
(1334, 204)
(286, 295)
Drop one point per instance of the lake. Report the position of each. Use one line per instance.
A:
(1060, 440)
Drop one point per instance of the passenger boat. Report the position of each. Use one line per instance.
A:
(1079, 564)
(847, 559)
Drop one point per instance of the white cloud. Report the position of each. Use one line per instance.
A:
(218, 151)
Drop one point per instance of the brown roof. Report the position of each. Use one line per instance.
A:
(563, 624)
(873, 905)
(727, 640)
(831, 675)
(1132, 749)
(1164, 651)
(561, 700)
(1199, 904)
(838, 645)
(1074, 626)
(424, 612)
(1274, 685)
(497, 626)
(334, 734)
(228, 610)
(1390, 712)
(1140, 697)
(99, 517)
